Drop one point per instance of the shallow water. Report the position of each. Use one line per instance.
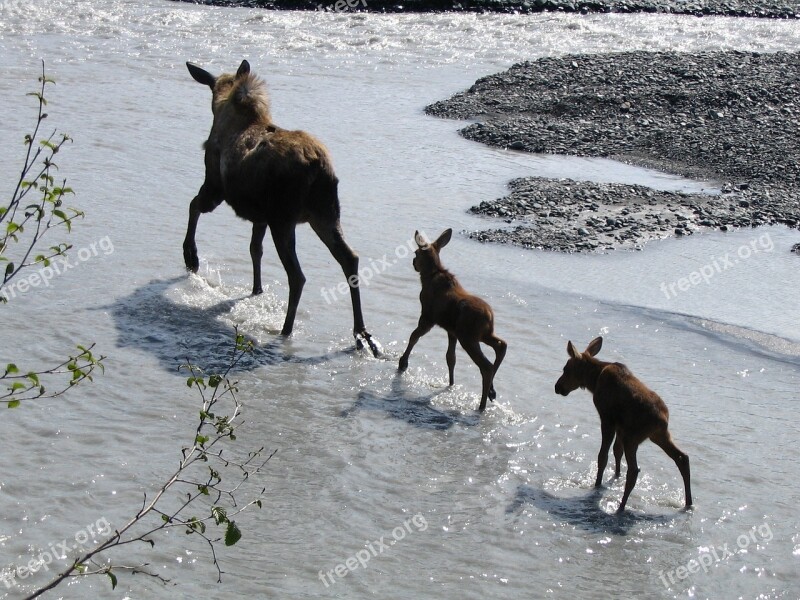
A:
(505, 498)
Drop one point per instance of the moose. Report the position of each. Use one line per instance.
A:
(274, 178)
(628, 410)
(466, 318)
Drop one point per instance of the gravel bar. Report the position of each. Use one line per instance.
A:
(780, 9)
(730, 117)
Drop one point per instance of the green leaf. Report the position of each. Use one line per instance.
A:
(38, 95)
(113, 579)
(17, 386)
(13, 404)
(196, 524)
(214, 380)
(219, 514)
(11, 368)
(232, 534)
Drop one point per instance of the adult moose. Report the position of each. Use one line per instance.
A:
(274, 178)
(466, 318)
(627, 408)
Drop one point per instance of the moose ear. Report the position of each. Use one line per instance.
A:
(594, 346)
(443, 239)
(572, 350)
(421, 241)
(201, 75)
(244, 69)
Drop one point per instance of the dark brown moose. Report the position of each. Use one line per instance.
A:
(465, 317)
(627, 408)
(275, 179)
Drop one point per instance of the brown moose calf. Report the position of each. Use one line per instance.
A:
(627, 408)
(465, 317)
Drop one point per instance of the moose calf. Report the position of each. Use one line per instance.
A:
(627, 408)
(465, 317)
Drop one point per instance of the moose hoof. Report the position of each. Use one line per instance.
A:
(492, 394)
(257, 291)
(191, 260)
(192, 267)
(372, 343)
(403, 365)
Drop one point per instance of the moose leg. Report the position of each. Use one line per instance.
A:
(205, 201)
(499, 346)
(451, 355)
(633, 471)
(256, 251)
(284, 238)
(607, 431)
(473, 348)
(330, 232)
(422, 328)
(617, 453)
(664, 441)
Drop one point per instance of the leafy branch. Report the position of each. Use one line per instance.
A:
(36, 206)
(25, 220)
(198, 480)
(29, 385)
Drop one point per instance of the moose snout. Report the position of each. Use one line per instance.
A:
(560, 389)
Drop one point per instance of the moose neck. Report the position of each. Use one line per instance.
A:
(430, 270)
(590, 371)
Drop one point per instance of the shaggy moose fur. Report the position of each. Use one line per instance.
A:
(627, 408)
(465, 317)
(274, 178)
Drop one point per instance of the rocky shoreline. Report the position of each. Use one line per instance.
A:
(780, 9)
(731, 117)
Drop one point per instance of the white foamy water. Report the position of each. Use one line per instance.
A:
(507, 496)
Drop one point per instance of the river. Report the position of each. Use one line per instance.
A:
(496, 506)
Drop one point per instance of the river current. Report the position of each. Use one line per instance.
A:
(499, 505)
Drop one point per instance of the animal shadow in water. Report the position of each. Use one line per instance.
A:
(174, 333)
(582, 511)
(414, 410)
